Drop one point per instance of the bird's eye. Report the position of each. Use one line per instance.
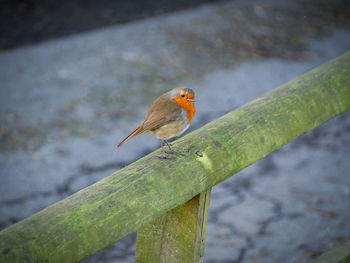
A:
(182, 95)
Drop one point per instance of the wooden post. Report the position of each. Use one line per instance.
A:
(178, 235)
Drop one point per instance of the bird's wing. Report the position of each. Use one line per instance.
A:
(161, 112)
(157, 121)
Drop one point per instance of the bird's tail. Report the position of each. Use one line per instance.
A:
(137, 131)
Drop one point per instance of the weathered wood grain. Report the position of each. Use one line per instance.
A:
(176, 236)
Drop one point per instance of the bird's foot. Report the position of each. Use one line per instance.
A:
(172, 151)
(165, 156)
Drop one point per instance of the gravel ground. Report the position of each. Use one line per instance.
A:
(65, 103)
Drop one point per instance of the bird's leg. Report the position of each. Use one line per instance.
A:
(163, 155)
(171, 149)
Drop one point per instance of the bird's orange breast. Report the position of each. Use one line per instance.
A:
(188, 106)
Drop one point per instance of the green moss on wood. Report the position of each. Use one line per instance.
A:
(338, 254)
(176, 236)
(100, 214)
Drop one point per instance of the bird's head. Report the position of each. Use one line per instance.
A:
(184, 97)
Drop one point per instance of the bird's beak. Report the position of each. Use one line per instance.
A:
(191, 100)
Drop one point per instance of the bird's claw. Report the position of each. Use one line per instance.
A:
(165, 156)
(175, 152)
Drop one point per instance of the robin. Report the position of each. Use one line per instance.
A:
(168, 116)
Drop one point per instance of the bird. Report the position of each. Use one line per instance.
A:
(169, 116)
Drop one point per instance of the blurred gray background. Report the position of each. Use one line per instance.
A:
(77, 77)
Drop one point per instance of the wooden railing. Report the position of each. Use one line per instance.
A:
(338, 254)
(167, 201)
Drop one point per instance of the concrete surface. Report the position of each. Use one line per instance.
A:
(66, 103)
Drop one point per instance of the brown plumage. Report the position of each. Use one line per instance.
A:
(168, 116)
